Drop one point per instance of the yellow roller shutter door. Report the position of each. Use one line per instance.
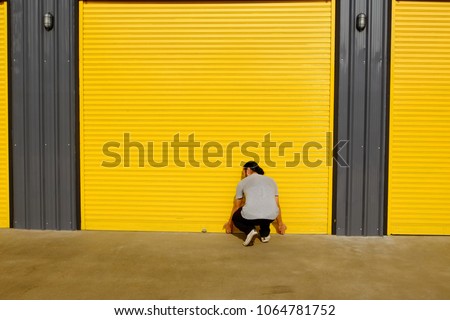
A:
(419, 164)
(228, 77)
(4, 171)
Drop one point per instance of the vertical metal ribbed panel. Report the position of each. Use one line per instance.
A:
(43, 107)
(361, 118)
(224, 71)
(4, 148)
(419, 161)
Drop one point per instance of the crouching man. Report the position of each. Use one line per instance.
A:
(261, 205)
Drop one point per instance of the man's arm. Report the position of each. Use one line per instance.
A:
(229, 225)
(281, 227)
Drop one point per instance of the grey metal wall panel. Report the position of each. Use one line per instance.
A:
(377, 99)
(361, 117)
(43, 107)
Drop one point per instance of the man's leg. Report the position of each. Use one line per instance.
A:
(241, 223)
(247, 226)
(264, 225)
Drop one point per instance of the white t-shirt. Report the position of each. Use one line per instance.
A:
(260, 192)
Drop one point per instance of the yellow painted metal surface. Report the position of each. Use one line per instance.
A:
(419, 162)
(4, 170)
(224, 75)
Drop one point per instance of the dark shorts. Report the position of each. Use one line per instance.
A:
(247, 225)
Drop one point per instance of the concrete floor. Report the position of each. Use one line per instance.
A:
(148, 265)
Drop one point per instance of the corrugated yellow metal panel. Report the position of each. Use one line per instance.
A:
(419, 163)
(4, 170)
(228, 73)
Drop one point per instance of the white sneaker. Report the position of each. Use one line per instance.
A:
(265, 239)
(250, 237)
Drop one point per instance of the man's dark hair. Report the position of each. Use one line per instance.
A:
(255, 167)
